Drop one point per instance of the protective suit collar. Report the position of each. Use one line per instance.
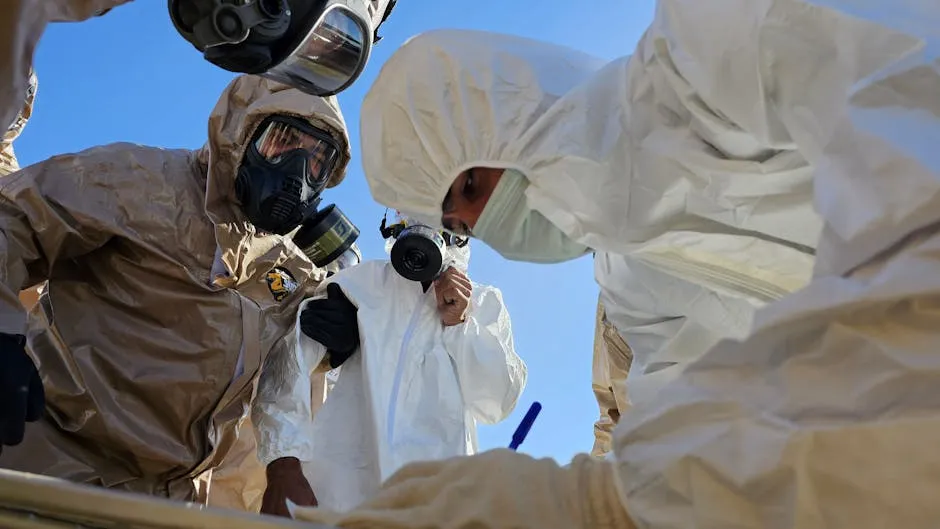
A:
(243, 105)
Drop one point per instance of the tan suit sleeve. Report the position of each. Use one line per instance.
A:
(52, 211)
(612, 359)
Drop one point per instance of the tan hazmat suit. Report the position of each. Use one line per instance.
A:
(9, 164)
(157, 317)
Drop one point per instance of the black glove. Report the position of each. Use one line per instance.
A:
(334, 323)
(22, 398)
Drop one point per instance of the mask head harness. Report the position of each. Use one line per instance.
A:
(317, 46)
(419, 251)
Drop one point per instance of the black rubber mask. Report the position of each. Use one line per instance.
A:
(285, 169)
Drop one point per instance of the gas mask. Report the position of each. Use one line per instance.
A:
(286, 167)
(419, 252)
(317, 46)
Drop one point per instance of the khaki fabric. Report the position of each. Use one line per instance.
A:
(22, 23)
(8, 161)
(239, 482)
(9, 164)
(137, 345)
(612, 359)
(496, 489)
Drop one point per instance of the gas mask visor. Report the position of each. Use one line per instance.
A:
(318, 47)
(288, 164)
(333, 52)
(279, 137)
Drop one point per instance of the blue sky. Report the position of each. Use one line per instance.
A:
(128, 76)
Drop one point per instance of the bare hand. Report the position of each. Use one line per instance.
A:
(453, 291)
(286, 481)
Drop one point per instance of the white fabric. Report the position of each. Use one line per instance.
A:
(826, 416)
(746, 113)
(413, 392)
(713, 206)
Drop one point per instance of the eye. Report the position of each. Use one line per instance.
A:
(469, 185)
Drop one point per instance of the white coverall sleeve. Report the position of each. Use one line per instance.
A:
(827, 414)
(491, 374)
(282, 411)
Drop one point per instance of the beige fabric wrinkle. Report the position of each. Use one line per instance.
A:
(136, 346)
(519, 492)
(611, 365)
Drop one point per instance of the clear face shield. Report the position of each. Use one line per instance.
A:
(333, 53)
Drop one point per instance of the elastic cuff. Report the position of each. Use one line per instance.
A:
(595, 484)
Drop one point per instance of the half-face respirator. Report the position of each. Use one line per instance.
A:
(419, 252)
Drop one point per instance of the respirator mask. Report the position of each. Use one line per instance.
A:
(317, 46)
(419, 252)
(287, 165)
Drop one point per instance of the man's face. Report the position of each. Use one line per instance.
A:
(467, 197)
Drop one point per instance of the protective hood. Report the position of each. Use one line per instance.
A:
(8, 161)
(243, 105)
(420, 136)
(675, 137)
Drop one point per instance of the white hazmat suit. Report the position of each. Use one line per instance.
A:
(826, 414)
(699, 213)
(414, 391)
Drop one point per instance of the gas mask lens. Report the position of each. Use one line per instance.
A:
(332, 55)
(280, 137)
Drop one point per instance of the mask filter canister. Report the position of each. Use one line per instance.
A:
(418, 253)
(326, 236)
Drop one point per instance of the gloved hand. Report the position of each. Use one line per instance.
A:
(453, 289)
(286, 481)
(499, 489)
(22, 398)
(334, 323)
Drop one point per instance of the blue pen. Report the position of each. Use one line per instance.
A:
(523, 430)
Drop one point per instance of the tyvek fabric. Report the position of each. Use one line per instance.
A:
(625, 157)
(8, 161)
(414, 391)
(824, 416)
(22, 23)
(148, 361)
(612, 359)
